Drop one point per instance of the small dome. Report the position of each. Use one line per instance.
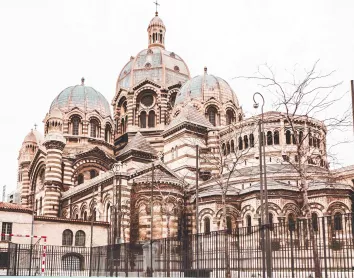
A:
(83, 97)
(157, 64)
(156, 22)
(55, 113)
(33, 137)
(205, 87)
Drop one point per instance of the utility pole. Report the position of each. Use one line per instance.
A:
(91, 240)
(266, 249)
(197, 203)
(260, 141)
(152, 217)
(352, 87)
(4, 193)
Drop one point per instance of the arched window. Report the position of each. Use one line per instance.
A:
(212, 115)
(310, 139)
(75, 121)
(143, 119)
(276, 137)
(36, 206)
(251, 140)
(67, 237)
(80, 238)
(230, 116)
(338, 222)
(269, 138)
(232, 146)
(76, 216)
(80, 179)
(288, 137)
(240, 143)
(40, 206)
(228, 224)
(263, 138)
(107, 134)
(315, 142)
(206, 225)
(291, 222)
(108, 212)
(94, 215)
(271, 222)
(173, 153)
(228, 148)
(314, 219)
(72, 262)
(151, 122)
(223, 146)
(94, 128)
(85, 215)
(249, 224)
(301, 136)
(93, 174)
(245, 139)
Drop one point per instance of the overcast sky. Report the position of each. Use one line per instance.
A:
(46, 46)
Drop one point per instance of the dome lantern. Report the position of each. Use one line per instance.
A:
(156, 32)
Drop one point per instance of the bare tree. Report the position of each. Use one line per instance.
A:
(301, 100)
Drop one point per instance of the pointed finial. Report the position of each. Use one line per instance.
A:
(157, 4)
(205, 70)
(82, 81)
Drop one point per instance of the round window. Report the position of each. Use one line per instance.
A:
(147, 100)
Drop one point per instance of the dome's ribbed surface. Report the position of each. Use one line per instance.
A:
(157, 64)
(205, 87)
(83, 97)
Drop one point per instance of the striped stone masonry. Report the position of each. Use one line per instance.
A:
(51, 201)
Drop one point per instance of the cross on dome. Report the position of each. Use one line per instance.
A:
(157, 4)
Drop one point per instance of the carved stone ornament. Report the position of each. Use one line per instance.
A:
(54, 145)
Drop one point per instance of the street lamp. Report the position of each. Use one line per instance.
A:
(117, 201)
(263, 191)
(116, 170)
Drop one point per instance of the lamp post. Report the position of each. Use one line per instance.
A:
(116, 209)
(264, 190)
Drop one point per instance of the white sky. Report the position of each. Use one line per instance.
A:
(46, 46)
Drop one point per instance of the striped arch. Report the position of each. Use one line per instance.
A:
(138, 93)
(336, 206)
(317, 207)
(75, 211)
(75, 112)
(205, 212)
(83, 209)
(88, 164)
(230, 211)
(246, 209)
(291, 208)
(40, 165)
(272, 207)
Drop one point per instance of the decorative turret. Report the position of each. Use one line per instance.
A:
(28, 150)
(156, 32)
(54, 143)
(54, 121)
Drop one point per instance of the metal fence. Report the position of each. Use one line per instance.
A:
(236, 252)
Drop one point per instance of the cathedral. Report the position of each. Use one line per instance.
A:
(169, 151)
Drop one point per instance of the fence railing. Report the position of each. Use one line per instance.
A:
(236, 252)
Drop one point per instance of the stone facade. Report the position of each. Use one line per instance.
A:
(159, 116)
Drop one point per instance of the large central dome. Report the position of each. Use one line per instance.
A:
(155, 63)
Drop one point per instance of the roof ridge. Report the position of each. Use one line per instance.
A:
(138, 143)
